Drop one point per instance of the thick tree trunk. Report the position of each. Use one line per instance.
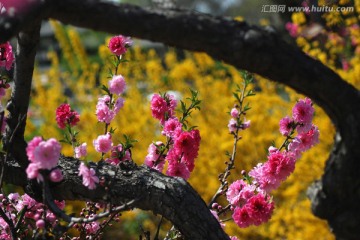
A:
(336, 195)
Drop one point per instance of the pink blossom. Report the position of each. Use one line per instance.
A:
(103, 143)
(292, 29)
(81, 151)
(270, 174)
(294, 148)
(3, 234)
(187, 146)
(303, 127)
(13, 197)
(154, 159)
(279, 165)
(118, 44)
(234, 238)
(163, 108)
(31, 147)
(118, 155)
(50, 217)
(56, 175)
(28, 201)
(215, 214)
(92, 228)
(234, 113)
(32, 171)
(40, 223)
(47, 154)
(89, 178)
(245, 124)
(345, 64)
(117, 84)
(6, 56)
(242, 217)
(119, 103)
(303, 111)
(239, 192)
(286, 125)
(272, 149)
(178, 169)
(172, 128)
(309, 139)
(66, 116)
(262, 178)
(60, 204)
(233, 192)
(232, 125)
(103, 111)
(259, 209)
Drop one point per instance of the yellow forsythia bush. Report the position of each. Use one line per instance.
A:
(75, 79)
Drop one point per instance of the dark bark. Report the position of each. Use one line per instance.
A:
(261, 51)
(14, 141)
(171, 197)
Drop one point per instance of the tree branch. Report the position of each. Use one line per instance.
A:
(172, 197)
(14, 142)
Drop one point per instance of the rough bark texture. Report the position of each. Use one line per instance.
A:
(20, 96)
(170, 197)
(261, 51)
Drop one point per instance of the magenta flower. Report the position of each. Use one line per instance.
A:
(286, 125)
(178, 169)
(309, 139)
(232, 125)
(42, 155)
(172, 128)
(186, 145)
(292, 28)
(153, 159)
(56, 175)
(66, 116)
(81, 151)
(47, 154)
(103, 143)
(117, 85)
(6, 56)
(103, 112)
(242, 217)
(259, 209)
(303, 111)
(31, 147)
(233, 192)
(118, 155)
(91, 228)
(106, 110)
(234, 113)
(40, 223)
(239, 192)
(163, 108)
(245, 124)
(118, 44)
(119, 103)
(32, 172)
(89, 178)
(279, 165)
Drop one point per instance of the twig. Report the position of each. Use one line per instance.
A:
(4, 160)
(156, 237)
